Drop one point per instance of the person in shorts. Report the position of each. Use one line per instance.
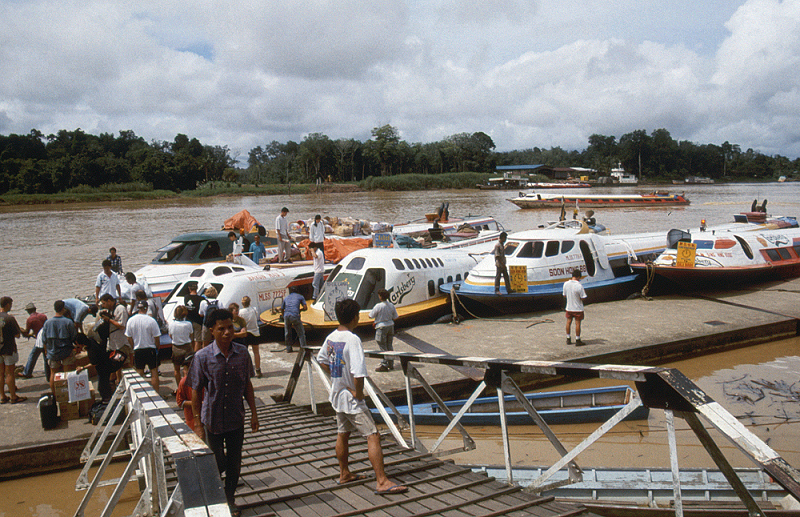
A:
(180, 331)
(574, 293)
(192, 302)
(144, 336)
(8, 352)
(342, 357)
(250, 316)
(59, 341)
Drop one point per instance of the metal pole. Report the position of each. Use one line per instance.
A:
(673, 462)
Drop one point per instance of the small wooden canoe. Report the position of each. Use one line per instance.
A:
(556, 407)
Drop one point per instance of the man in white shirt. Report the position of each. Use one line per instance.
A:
(107, 282)
(144, 336)
(319, 272)
(573, 291)
(250, 316)
(316, 234)
(284, 241)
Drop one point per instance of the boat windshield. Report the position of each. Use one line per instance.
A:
(186, 252)
(363, 287)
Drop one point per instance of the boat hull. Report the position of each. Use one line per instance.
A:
(579, 406)
(482, 300)
(729, 276)
(590, 202)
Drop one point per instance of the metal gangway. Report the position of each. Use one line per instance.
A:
(154, 435)
(665, 389)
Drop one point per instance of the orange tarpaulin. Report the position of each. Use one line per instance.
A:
(337, 249)
(241, 220)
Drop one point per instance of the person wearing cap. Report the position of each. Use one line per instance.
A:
(284, 241)
(144, 336)
(33, 325)
(192, 303)
(316, 234)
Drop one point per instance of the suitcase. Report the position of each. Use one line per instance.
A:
(48, 411)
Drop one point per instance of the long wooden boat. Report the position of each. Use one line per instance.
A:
(555, 407)
(729, 257)
(581, 184)
(539, 200)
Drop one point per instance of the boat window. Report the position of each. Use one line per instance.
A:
(784, 253)
(168, 252)
(430, 264)
(398, 264)
(510, 247)
(431, 288)
(374, 281)
(409, 264)
(216, 285)
(797, 250)
(197, 272)
(441, 264)
(566, 246)
(356, 264)
(221, 270)
(440, 282)
(773, 254)
(458, 277)
(675, 236)
(466, 275)
(211, 251)
(587, 257)
(526, 251)
(745, 247)
(238, 268)
(552, 248)
(538, 249)
(416, 263)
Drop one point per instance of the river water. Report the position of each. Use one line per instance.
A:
(52, 252)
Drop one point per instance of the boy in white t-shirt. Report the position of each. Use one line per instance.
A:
(574, 293)
(343, 358)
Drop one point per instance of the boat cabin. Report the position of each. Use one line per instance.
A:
(200, 247)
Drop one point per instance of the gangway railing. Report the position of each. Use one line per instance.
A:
(156, 436)
(665, 389)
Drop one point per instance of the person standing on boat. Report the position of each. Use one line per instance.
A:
(575, 294)
(319, 272)
(384, 315)
(284, 241)
(500, 263)
(116, 261)
(107, 282)
(257, 249)
(316, 234)
(238, 246)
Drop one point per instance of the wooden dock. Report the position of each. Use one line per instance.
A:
(289, 468)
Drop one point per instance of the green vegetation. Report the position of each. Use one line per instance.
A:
(72, 166)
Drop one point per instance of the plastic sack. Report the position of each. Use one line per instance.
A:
(78, 386)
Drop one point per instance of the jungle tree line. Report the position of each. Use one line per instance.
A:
(35, 163)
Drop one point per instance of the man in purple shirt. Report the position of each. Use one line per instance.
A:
(223, 370)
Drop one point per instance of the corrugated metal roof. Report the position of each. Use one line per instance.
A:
(518, 167)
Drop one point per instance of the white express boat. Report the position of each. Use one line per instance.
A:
(175, 261)
(729, 257)
(265, 287)
(549, 256)
(411, 275)
(655, 199)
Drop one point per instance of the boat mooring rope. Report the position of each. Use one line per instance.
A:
(650, 269)
(457, 319)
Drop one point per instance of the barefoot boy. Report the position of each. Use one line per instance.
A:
(342, 356)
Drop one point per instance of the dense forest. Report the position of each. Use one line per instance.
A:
(70, 160)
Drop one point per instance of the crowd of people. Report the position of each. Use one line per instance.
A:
(211, 347)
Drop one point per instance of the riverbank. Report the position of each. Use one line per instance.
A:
(623, 332)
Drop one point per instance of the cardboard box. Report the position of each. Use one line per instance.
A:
(62, 392)
(69, 410)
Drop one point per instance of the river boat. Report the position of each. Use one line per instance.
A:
(654, 199)
(266, 287)
(549, 256)
(186, 252)
(581, 184)
(411, 275)
(555, 407)
(729, 257)
(447, 224)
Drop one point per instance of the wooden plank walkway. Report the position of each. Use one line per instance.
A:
(289, 468)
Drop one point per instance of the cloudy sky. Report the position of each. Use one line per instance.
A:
(527, 72)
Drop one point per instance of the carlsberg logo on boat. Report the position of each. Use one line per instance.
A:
(398, 292)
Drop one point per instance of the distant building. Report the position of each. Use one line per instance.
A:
(519, 171)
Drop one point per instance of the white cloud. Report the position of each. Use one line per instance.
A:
(529, 73)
